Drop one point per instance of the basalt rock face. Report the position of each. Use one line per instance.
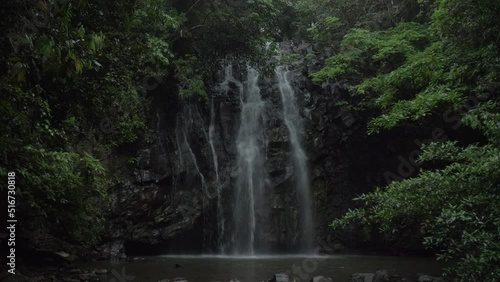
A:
(180, 196)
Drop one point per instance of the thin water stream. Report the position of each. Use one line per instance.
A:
(293, 122)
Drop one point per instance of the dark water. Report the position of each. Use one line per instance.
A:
(251, 269)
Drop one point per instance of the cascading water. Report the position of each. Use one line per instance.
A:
(250, 144)
(211, 133)
(183, 127)
(293, 123)
(251, 219)
(220, 211)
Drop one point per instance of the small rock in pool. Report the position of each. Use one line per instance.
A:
(101, 271)
(361, 277)
(321, 279)
(381, 276)
(88, 277)
(75, 271)
(69, 279)
(280, 277)
(397, 278)
(428, 278)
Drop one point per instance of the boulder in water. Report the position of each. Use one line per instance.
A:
(69, 279)
(321, 279)
(381, 276)
(100, 271)
(397, 278)
(76, 271)
(361, 277)
(428, 278)
(113, 250)
(88, 277)
(280, 277)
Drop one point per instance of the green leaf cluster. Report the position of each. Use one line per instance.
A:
(72, 81)
(422, 73)
(75, 82)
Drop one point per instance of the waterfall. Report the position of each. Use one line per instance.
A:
(220, 211)
(293, 123)
(179, 154)
(183, 126)
(211, 133)
(221, 220)
(248, 224)
(250, 162)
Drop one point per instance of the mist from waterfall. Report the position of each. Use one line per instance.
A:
(294, 125)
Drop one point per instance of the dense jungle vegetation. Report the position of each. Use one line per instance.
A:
(75, 77)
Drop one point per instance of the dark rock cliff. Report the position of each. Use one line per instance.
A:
(172, 203)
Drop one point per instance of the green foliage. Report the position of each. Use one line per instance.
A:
(290, 58)
(190, 82)
(468, 23)
(326, 22)
(416, 109)
(72, 91)
(455, 208)
(328, 25)
(63, 186)
(417, 73)
(215, 31)
(75, 78)
(485, 118)
(362, 48)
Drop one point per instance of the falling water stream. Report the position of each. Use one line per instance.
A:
(183, 126)
(220, 212)
(248, 212)
(250, 144)
(293, 123)
(248, 207)
(211, 133)
(246, 260)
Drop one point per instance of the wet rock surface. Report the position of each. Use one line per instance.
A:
(361, 277)
(280, 277)
(381, 276)
(428, 278)
(321, 279)
(169, 204)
